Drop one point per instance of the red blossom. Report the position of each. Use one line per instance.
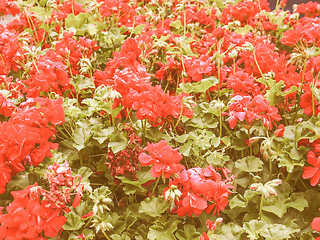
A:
(163, 158)
(315, 224)
(280, 130)
(312, 172)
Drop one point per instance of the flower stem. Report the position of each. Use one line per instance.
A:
(261, 204)
(106, 236)
(154, 188)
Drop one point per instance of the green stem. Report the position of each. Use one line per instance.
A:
(313, 107)
(270, 168)
(220, 125)
(250, 146)
(106, 236)
(154, 188)
(175, 126)
(260, 208)
(234, 66)
(256, 61)
(89, 220)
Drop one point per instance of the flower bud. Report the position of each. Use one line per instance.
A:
(248, 47)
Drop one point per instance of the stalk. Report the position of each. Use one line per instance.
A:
(154, 187)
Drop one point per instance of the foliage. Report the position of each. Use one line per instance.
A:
(159, 120)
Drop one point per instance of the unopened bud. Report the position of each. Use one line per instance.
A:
(248, 47)
(218, 221)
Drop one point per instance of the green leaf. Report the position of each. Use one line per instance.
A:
(204, 85)
(80, 137)
(76, 22)
(229, 231)
(254, 227)
(131, 187)
(164, 232)
(154, 206)
(117, 143)
(74, 222)
(249, 164)
(138, 29)
(189, 233)
(144, 175)
(278, 232)
(85, 173)
(101, 191)
(185, 148)
(238, 201)
(244, 30)
(279, 204)
(103, 134)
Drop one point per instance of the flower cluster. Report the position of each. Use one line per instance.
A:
(163, 158)
(202, 190)
(132, 82)
(248, 109)
(31, 217)
(26, 136)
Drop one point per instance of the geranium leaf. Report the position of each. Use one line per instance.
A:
(165, 232)
(154, 206)
(103, 134)
(249, 164)
(189, 233)
(238, 201)
(74, 222)
(278, 231)
(131, 187)
(254, 227)
(144, 175)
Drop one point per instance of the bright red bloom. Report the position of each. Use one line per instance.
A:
(315, 224)
(245, 108)
(163, 158)
(280, 130)
(310, 9)
(48, 74)
(312, 172)
(210, 225)
(202, 190)
(204, 237)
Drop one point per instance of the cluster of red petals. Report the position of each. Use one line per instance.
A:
(310, 9)
(243, 11)
(47, 75)
(194, 15)
(6, 106)
(9, 7)
(202, 190)
(132, 82)
(66, 8)
(31, 216)
(304, 30)
(72, 50)
(315, 224)
(163, 158)
(250, 109)
(10, 51)
(26, 136)
(313, 171)
(124, 10)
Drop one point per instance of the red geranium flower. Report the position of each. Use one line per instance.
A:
(312, 172)
(163, 158)
(315, 224)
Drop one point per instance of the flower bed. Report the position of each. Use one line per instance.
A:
(159, 120)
